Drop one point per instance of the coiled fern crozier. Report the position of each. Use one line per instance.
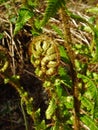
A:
(44, 55)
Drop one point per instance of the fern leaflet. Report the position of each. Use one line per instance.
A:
(52, 8)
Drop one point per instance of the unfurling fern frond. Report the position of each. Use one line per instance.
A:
(52, 8)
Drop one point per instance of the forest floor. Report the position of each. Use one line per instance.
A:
(11, 116)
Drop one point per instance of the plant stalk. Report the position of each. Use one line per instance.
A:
(71, 55)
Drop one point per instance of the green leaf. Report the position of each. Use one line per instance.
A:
(56, 126)
(58, 30)
(90, 84)
(89, 122)
(87, 29)
(6, 80)
(63, 54)
(86, 103)
(92, 88)
(24, 15)
(69, 102)
(96, 42)
(93, 10)
(41, 126)
(52, 9)
(3, 1)
(31, 3)
(62, 72)
(65, 78)
(59, 89)
(96, 106)
(51, 109)
(36, 29)
(1, 35)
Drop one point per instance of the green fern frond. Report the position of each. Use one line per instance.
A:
(89, 122)
(92, 88)
(52, 8)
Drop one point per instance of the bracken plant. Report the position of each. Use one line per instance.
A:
(44, 55)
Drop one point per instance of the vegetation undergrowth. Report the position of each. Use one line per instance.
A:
(68, 68)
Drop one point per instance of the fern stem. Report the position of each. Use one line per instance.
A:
(20, 91)
(24, 114)
(68, 46)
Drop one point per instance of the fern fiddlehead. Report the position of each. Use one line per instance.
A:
(44, 55)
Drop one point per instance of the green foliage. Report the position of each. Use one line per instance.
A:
(92, 93)
(52, 8)
(89, 122)
(31, 4)
(63, 54)
(96, 43)
(93, 10)
(60, 86)
(65, 78)
(24, 15)
(2, 1)
(13, 78)
(57, 30)
(1, 35)
(41, 125)
(51, 109)
(36, 29)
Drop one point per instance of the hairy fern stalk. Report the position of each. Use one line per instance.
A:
(53, 7)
